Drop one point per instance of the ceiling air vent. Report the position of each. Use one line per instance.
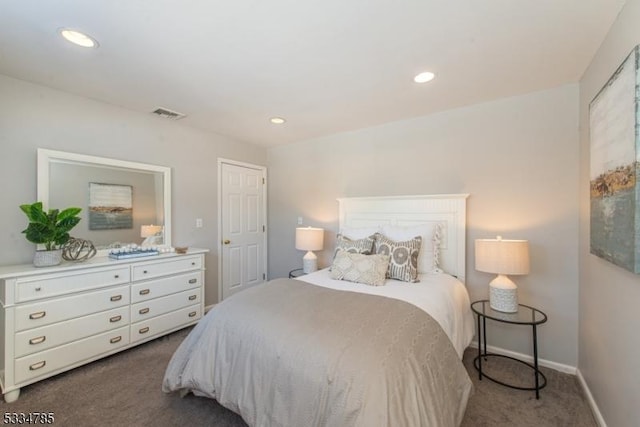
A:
(168, 114)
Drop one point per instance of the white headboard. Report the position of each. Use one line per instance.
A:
(448, 210)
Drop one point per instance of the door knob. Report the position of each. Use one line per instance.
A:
(227, 241)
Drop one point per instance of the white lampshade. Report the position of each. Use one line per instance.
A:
(502, 257)
(309, 239)
(150, 230)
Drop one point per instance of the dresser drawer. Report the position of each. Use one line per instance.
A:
(46, 286)
(43, 313)
(158, 306)
(162, 268)
(157, 325)
(46, 337)
(41, 363)
(157, 288)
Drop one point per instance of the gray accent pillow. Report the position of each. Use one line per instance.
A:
(360, 268)
(403, 257)
(360, 246)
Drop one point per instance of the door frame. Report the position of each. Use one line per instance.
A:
(263, 169)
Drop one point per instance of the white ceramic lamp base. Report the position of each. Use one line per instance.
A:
(309, 263)
(503, 294)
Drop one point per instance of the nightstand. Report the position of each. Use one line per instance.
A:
(296, 273)
(525, 315)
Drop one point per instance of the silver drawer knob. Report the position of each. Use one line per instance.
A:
(143, 310)
(115, 319)
(116, 298)
(192, 297)
(144, 292)
(144, 330)
(193, 314)
(115, 339)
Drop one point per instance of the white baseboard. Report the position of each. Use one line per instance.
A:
(567, 369)
(592, 403)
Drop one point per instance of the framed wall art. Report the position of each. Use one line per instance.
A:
(615, 145)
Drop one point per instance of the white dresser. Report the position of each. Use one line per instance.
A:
(55, 319)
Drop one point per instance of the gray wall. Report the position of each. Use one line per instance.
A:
(518, 157)
(609, 295)
(33, 116)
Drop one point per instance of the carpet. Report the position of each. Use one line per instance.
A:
(124, 390)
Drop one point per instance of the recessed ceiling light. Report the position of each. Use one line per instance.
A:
(427, 76)
(277, 120)
(78, 38)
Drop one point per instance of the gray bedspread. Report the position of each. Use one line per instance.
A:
(288, 353)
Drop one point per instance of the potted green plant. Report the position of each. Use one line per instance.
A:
(50, 229)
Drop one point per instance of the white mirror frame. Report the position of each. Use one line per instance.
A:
(45, 157)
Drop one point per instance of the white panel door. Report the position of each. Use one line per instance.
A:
(243, 228)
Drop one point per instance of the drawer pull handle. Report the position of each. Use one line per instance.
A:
(38, 340)
(193, 263)
(192, 281)
(144, 271)
(193, 313)
(117, 276)
(192, 297)
(144, 310)
(115, 339)
(144, 292)
(38, 315)
(38, 289)
(144, 330)
(37, 366)
(116, 298)
(115, 319)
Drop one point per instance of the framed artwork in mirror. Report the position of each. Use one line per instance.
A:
(110, 206)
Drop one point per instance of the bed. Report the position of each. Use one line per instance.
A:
(316, 351)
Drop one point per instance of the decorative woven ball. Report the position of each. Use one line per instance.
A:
(78, 250)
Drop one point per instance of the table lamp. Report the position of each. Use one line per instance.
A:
(152, 234)
(502, 257)
(309, 239)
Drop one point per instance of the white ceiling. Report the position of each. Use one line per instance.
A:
(327, 66)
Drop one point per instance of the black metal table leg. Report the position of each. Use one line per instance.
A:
(479, 349)
(535, 361)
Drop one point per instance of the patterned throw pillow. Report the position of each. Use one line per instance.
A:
(403, 257)
(360, 246)
(360, 268)
(431, 233)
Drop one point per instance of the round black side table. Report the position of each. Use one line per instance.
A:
(296, 273)
(524, 316)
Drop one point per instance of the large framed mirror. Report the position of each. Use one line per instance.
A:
(122, 202)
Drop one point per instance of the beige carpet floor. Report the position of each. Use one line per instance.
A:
(124, 390)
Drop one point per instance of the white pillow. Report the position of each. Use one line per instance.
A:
(356, 233)
(428, 260)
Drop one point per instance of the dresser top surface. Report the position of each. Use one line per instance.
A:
(20, 270)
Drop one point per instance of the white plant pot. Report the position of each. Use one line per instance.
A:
(47, 258)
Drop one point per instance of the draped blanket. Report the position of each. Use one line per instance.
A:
(288, 353)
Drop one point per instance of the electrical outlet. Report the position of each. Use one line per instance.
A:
(198, 222)
(299, 220)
